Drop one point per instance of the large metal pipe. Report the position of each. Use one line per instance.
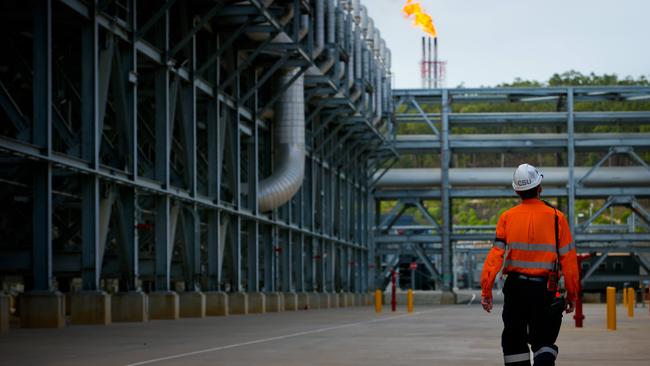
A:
(289, 169)
(356, 10)
(319, 41)
(358, 53)
(364, 19)
(331, 21)
(502, 177)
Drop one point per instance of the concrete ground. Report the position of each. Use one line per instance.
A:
(433, 335)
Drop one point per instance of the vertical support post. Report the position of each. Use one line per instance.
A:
(163, 243)
(300, 263)
(331, 266)
(127, 227)
(192, 232)
(345, 268)
(253, 225)
(91, 262)
(445, 201)
(611, 308)
(214, 146)
(378, 301)
(393, 300)
(300, 248)
(571, 187)
(236, 221)
(287, 272)
(269, 255)
(42, 137)
(631, 301)
(163, 149)
(90, 142)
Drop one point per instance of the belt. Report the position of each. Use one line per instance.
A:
(527, 278)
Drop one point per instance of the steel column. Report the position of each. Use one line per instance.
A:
(445, 200)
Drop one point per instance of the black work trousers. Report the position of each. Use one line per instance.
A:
(528, 320)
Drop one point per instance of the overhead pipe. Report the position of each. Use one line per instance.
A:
(502, 177)
(324, 66)
(370, 30)
(358, 57)
(340, 37)
(376, 41)
(379, 85)
(319, 42)
(289, 125)
(364, 19)
(327, 64)
(356, 11)
(331, 21)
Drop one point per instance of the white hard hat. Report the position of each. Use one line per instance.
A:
(526, 177)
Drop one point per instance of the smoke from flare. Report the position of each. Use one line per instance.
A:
(421, 18)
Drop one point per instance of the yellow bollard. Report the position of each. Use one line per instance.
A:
(378, 304)
(611, 308)
(624, 296)
(630, 302)
(409, 300)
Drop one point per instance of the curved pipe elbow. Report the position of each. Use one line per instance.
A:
(289, 168)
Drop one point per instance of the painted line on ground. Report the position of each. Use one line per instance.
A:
(272, 339)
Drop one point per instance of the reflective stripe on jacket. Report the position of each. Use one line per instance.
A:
(528, 230)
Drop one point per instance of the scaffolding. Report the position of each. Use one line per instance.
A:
(136, 137)
(564, 131)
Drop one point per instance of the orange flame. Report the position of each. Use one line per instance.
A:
(421, 18)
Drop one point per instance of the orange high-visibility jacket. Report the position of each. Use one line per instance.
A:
(528, 230)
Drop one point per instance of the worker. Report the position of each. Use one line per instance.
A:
(539, 241)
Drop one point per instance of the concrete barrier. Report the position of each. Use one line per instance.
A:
(325, 300)
(274, 302)
(216, 304)
(164, 305)
(238, 303)
(256, 303)
(314, 300)
(130, 307)
(192, 304)
(359, 300)
(42, 309)
(290, 301)
(303, 301)
(90, 307)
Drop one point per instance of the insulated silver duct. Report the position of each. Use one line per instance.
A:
(382, 51)
(379, 86)
(356, 10)
(289, 169)
(389, 59)
(319, 42)
(365, 70)
(364, 19)
(370, 32)
(376, 41)
(502, 177)
(352, 43)
(358, 56)
(331, 22)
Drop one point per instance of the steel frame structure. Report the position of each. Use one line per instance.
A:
(135, 133)
(445, 239)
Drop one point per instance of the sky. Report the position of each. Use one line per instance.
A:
(489, 42)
